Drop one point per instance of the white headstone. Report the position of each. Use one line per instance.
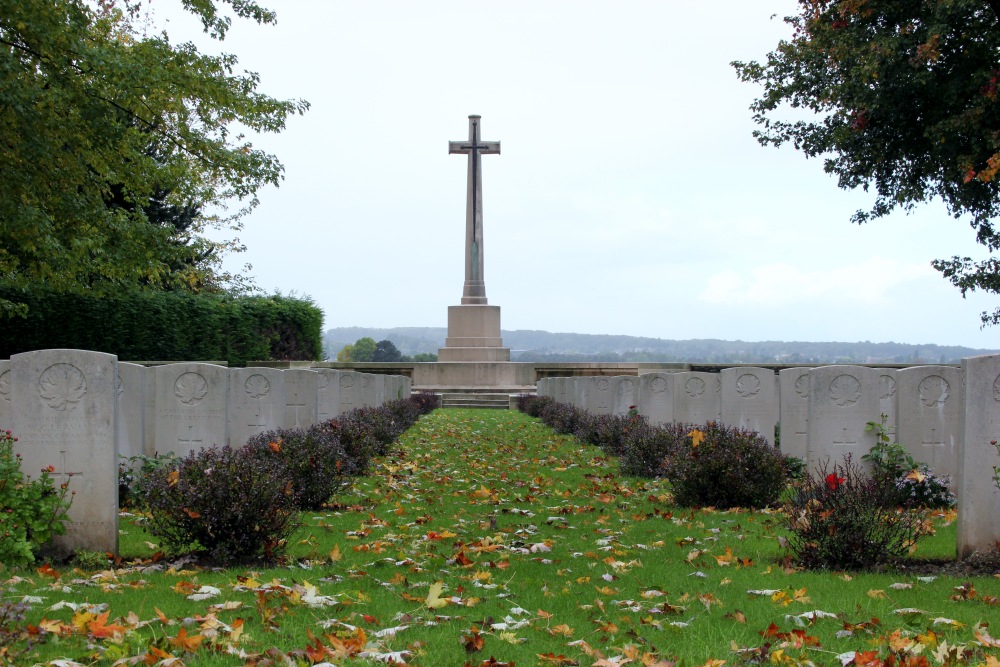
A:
(929, 413)
(656, 397)
(407, 387)
(542, 387)
(301, 397)
(190, 406)
(5, 396)
(256, 403)
(794, 410)
(978, 496)
(697, 397)
(887, 397)
(599, 395)
(65, 413)
(577, 392)
(626, 394)
(749, 399)
(563, 390)
(842, 400)
(328, 394)
(350, 391)
(367, 390)
(131, 409)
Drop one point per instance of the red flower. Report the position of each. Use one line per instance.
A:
(832, 481)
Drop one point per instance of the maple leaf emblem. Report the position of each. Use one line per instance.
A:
(257, 386)
(61, 385)
(694, 387)
(802, 385)
(845, 390)
(748, 385)
(5, 386)
(190, 388)
(934, 390)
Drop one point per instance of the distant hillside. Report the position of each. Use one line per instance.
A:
(526, 345)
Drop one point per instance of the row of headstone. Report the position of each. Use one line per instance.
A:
(76, 412)
(943, 415)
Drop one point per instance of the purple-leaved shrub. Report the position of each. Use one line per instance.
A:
(723, 466)
(313, 458)
(224, 503)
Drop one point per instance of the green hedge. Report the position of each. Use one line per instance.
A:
(165, 326)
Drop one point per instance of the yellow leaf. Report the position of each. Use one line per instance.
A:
(335, 553)
(434, 599)
(562, 629)
(877, 594)
(697, 437)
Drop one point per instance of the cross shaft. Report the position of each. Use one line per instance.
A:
(474, 290)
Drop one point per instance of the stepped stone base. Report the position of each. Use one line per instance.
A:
(473, 335)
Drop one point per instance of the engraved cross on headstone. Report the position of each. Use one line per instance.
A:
(63, 471)
(191, 440)
(844, 442)
(935, 440)
(257, 425)
(297, 406)
(474, 291)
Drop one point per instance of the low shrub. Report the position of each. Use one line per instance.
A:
(404, 411)
(359, 439)
(612, 433)
(313, 458)
(724, 466)
(32, 512)
(383, 425)
(843, 518)
(224, 503)
(922, 487)
(648, 446)
(562, 418)
(532, 405)
(426, 401)
(912, 483)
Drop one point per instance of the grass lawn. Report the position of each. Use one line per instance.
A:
(485, 539)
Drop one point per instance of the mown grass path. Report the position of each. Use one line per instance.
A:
(485, 539)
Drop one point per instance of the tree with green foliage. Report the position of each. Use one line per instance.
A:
(424, 357)
(345, 354)
(904, 97)
(363, 349)
(387, 352)
(106, 129)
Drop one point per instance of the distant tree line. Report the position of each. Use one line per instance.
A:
(385, 351)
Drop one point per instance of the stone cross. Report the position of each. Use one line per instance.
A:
(474, 291)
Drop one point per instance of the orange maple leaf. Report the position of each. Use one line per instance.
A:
(185, 643)
(48, 571)
(101, 629)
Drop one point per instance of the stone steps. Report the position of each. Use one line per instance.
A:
(475, 400)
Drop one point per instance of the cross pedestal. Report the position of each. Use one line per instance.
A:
(473, 335)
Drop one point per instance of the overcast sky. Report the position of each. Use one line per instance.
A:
(629, 198)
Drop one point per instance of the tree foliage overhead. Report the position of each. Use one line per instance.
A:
(904, 97)
(106, 132)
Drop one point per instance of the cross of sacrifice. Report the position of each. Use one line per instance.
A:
(474, 291)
